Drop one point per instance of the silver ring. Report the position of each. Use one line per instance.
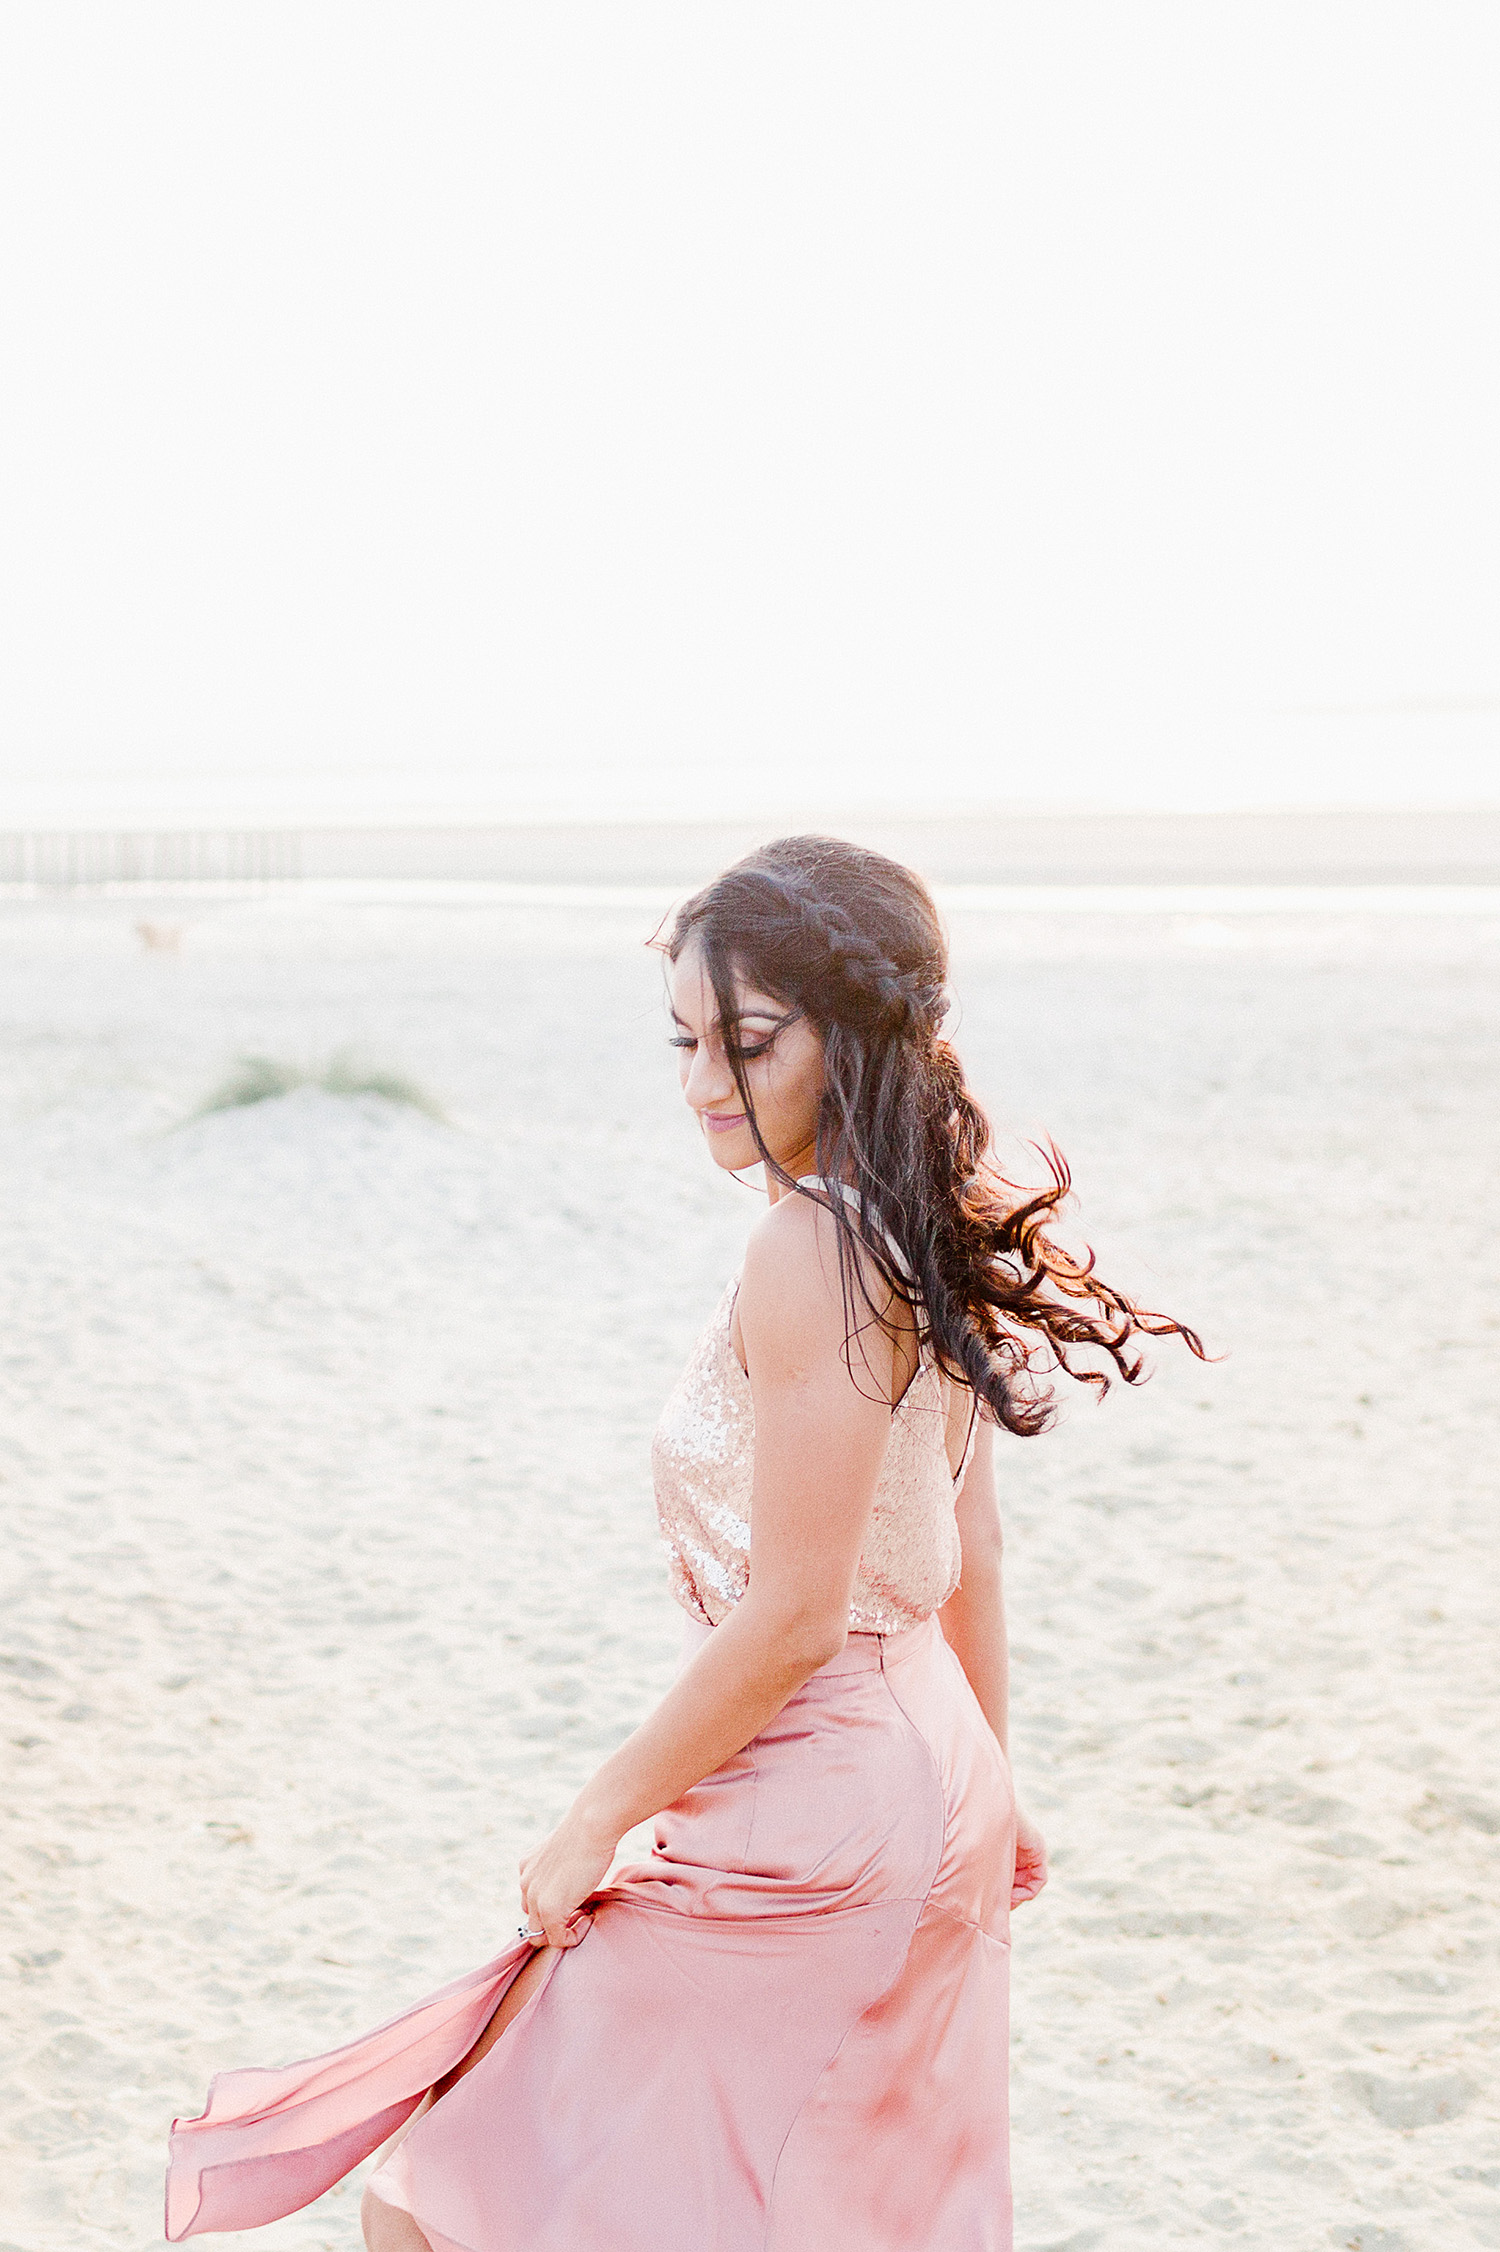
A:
(524, 1931)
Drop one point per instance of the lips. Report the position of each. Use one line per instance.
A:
(717, 1125)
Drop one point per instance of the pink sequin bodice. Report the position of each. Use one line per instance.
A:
(703, 1461)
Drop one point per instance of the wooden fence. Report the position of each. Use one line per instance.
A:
(138, 856)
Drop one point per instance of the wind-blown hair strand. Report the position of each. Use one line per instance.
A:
(852, 940)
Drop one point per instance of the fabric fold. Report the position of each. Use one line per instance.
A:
(784, 2030)
(269, 2141)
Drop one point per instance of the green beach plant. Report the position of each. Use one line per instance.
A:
(259, 1079)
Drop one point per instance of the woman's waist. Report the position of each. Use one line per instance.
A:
(900, 1585)
(862, 1652)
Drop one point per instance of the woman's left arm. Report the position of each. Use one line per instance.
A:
(820, 1439)
(973, 1623)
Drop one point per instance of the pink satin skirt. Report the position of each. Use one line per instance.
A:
(783, 2031)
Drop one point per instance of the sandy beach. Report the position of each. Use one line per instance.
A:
(330, 1566)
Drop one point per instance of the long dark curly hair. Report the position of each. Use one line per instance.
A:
(852, 940)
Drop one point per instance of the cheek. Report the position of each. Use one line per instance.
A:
(796, 1084)
(809, 1064)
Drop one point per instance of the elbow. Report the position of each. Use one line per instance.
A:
(792, 1637)
(822, 1645)
(810, 1639)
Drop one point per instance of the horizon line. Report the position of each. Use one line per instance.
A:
(803, 816)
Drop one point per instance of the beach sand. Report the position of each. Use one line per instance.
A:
(330, 1568)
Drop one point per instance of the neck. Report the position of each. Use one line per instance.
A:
(803, 1161)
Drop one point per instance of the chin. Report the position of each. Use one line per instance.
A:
(732, 1153)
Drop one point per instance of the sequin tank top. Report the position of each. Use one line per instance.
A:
(703, 1462)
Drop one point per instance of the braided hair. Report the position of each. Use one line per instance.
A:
(853, 941)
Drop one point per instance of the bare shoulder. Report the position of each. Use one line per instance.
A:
(791, 1274)
(792, 1311)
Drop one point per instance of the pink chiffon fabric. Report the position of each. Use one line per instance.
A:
(785, 2030)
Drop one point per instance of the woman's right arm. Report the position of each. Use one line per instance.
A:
(973, 1623)
(973, 1618)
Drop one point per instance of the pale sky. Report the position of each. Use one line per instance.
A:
(448, 410)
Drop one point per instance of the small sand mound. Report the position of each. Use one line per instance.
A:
(259, 1079)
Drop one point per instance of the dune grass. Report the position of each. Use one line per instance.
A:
(260, 1079)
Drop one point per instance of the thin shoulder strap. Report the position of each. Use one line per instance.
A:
(850, 1196)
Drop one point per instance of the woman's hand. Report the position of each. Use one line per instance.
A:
(1031, 1861)
(560, 1875)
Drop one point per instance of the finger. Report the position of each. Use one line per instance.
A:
(563, 1930)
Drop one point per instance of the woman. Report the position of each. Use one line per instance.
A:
(786, 2027)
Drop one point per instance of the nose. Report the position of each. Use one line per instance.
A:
(709, 1084)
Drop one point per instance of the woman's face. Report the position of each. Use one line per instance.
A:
(782, 1060)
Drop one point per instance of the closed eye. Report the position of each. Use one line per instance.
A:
(744, 1050)
(740, 1051)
